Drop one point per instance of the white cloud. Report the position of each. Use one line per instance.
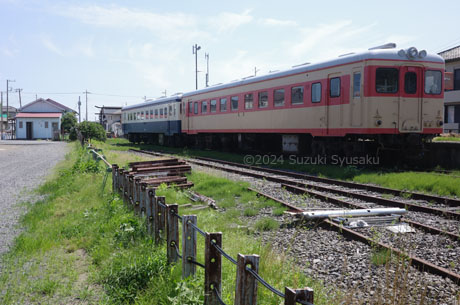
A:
(277, 22)
(51, 46)
(228, 22)
(9, 52)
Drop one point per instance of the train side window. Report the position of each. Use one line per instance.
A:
(213, 105)
(248, 101)
(278, 97)
(357, 84)
(410, 82)
(166, 112)
(316, 93)
(204, 106)
(190, 107)
(151, 113)
(234, 103)
(263, 99)
(297, 95)
(433, 82)
(156, 113)
(334, 87)
(195, 108)
(170, 110)
(386, 80)
(161, 112)
(175, 109)
(223, 104)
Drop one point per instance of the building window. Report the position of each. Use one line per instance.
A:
(297, 95)
(20, 124)
(433, 82)
(386, 80)
(213, 105)
(316, 93)
(46, 124)
(263, 99)
(278, 97)
(334, 84)
(223, 104)
(234, 103)
(248, 101)
(204, 107)
(357, 84)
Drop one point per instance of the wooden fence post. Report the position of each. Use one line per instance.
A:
(143, 199)
(172, 232)
(213, 268)
(122, 184)
(120, 181)
(292, 295)
(188, 245)
(159, 218)
(130, 190)
(150, 200)
(246, 284)
(137, 192)
(114, 178)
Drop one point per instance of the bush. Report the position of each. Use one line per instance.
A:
(92, 130)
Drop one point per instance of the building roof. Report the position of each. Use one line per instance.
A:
(49, 101)
(39, 115)
(451, 54)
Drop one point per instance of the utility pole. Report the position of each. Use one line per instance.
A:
(255, 71)
(19, 91)
(195, 49)
(7, 105)
(164, 93)
(79, 111)
(86, 93)
(206, 56)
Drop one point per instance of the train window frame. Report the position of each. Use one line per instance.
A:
(190, 107)
(170, 110)
(166, 112)
(233, 106)
(410, 89)
(223, 101)
(161, 112)
(396, 81)
(314, 98)
(334, 87)
(151, 114)
(204, 107)
(276, 101)
(195, 108)
(299, 101)
(357, 84)
(156, 113)
(262, 103)
(438, 83)
(213, 105)
(142, 115)
(249, 101)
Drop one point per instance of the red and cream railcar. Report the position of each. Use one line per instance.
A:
(387, 97)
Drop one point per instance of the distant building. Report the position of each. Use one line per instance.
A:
(109, 117)
(8, 127)
(452, 95)
(40, 119)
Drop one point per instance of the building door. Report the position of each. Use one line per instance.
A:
(29, 130)
(410, 100)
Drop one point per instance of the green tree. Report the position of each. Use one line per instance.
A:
(91, 130)
(68, 121)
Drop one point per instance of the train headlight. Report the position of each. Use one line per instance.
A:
(412, 52)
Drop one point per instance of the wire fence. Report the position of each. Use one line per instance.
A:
(163, 220)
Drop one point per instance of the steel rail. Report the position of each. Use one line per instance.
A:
(421, 264)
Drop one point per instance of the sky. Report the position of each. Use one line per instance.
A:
(124, 51)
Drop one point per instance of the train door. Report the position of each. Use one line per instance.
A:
(333, 101)
(356, 110)
(410, 99)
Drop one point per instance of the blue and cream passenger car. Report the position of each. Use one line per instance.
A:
(155, 121)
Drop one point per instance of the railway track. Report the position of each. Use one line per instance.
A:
(298, 185)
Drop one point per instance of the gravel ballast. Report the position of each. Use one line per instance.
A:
(23, 166)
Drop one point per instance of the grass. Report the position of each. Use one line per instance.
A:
(426, 182)
(380, 257)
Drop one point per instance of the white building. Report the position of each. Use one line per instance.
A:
(40, 119)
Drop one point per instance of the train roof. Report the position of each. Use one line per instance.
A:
(163, 100)
(383, 54)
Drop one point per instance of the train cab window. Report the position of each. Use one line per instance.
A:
(316, 93)
(357, 84)
(234, 103)
(410, 82)
(195, 108)
(156, 113)
(248, 101)
(433, 82)
(213, 105)
(263, 99)
(297, 95)
(223, 104)
(386, 80)
(334, 87)
(278, 97)
(204, 107)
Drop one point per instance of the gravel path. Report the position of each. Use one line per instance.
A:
(23, 166)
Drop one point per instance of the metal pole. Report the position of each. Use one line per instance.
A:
(20, 102)
(206, 55)
(195, 49)
(79, 110)
(1, 116)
